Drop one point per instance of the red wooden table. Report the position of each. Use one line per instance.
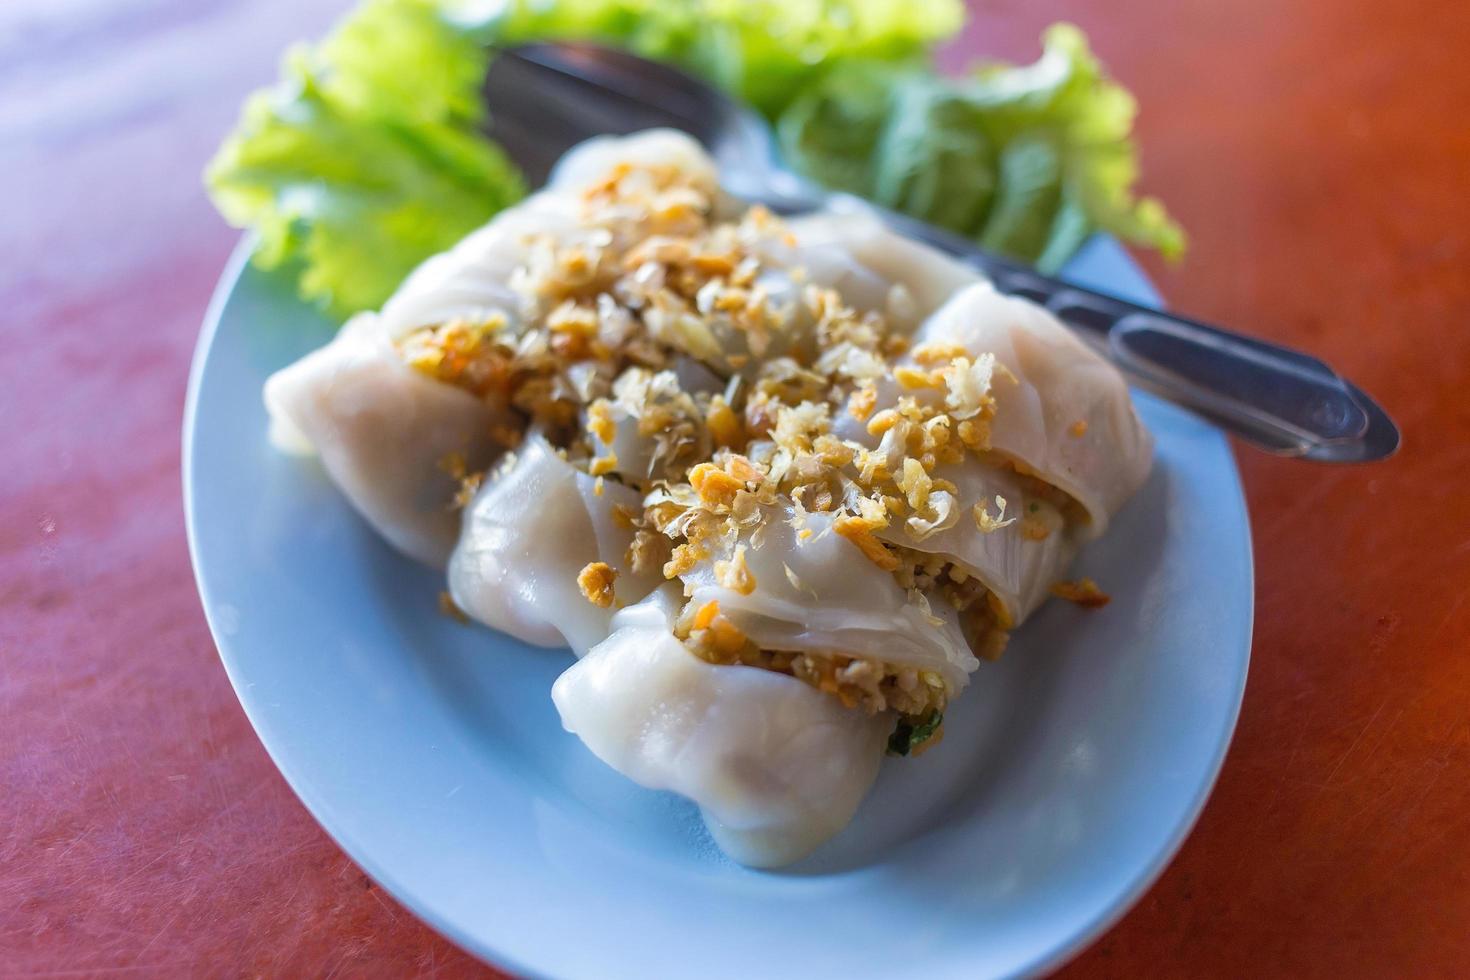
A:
(1317, 150)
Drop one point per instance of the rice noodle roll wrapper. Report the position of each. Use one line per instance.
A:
(591, 161)
(384, 433)
(473, 280)
(822, 594)
(873, 268)
(775, 766)
(1011, 560)
(528, 533)
(1066, 414)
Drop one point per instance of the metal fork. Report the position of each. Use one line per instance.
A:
(545, 98)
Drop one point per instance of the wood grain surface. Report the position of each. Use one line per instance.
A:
(1317, 150)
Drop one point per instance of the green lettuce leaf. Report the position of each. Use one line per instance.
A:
(1027, 160)
(763, 51)
(902, 138)
(366, 157)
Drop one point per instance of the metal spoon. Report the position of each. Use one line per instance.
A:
(544, 98)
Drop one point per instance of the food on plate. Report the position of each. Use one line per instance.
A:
(534, 527)
(384, 432)
(776, 765)
(781, 485)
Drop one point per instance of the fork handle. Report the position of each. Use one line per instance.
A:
(1274, 397)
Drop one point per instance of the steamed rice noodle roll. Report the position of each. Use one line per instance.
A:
(533, 529)
(1062, 412)
(384, 432)
(775, 765)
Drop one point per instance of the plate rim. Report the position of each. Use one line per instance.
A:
(1044, 962)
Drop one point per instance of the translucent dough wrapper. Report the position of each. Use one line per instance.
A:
(527, 534)
(590, 161)
(1017, 568)
(1063, 414)
(472, 280)
(1067, 416)
(820, 593)
(776, 766)
(383, 432)
(873, 268)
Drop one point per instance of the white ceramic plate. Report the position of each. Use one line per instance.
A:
(1069, 773)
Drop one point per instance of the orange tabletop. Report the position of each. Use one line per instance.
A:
(1317, 150)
